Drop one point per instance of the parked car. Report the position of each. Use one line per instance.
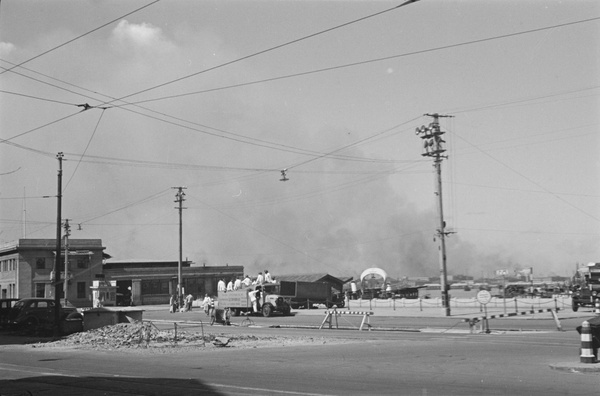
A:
(38, 313)
(6, 305)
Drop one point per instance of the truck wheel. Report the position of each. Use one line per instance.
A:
(235, 312)
(287, 311)
(267, 310)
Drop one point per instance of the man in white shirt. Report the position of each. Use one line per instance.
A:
(260, 279)
(268, 278)
(247, 281)
(221, 285)
(230, 286)
(237, 284)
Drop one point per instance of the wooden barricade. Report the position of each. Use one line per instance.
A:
(334, 313)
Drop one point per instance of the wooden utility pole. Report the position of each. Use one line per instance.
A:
(65, 278)
(56, 272)
(432, 146)
(180, 197)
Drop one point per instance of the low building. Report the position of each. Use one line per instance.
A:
(337, 284)
(26, 269)
(147, 282)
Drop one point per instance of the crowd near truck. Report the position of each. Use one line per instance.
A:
(264, 299)
(586, 287)
(307, 294)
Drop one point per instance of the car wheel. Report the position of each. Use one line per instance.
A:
(267, 310)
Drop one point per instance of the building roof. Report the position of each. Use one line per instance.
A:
(318, 277)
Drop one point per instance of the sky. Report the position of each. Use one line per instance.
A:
(220, 96)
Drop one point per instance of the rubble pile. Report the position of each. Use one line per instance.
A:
(144, 336)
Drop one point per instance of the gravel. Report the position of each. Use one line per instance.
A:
(144, 337)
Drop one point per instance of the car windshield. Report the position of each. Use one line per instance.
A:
(19, 304)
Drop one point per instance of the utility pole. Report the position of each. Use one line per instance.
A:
(432, 146)
(56, 272)
(66, 280)
(180, 197)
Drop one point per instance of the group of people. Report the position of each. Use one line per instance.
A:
(175, 302)
(236, 283)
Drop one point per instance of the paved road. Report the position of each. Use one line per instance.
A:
(383, 363)
(441, 361)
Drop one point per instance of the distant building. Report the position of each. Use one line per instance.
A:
(26, 269)
(148, 282)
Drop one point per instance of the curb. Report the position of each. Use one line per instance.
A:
(577, 367)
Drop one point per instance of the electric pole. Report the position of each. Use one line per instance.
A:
(56, 272)
(180, 197)
(66, 280)
(433, 148)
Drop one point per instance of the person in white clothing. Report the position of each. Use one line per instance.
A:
(260, 279)
(247, 281)
(237, 284)
(268, 278)
(221, 285)
(230, 286)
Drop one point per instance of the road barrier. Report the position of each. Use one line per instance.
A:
(587, 344)
(331, 313)
(473, 321)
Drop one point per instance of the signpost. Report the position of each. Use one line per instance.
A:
(484, 297)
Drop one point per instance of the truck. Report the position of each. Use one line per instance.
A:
(586, 286)
(242, 300)
(307, 294)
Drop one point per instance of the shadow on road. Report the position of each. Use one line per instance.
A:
(91, 386)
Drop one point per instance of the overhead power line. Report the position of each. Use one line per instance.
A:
(80, 36)
(267, 50)
(364, 62)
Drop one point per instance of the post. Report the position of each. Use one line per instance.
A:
(587, 344)
(65, 280)
(56, 280)
(179, 199)
(432, 144)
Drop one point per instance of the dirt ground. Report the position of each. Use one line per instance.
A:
(144, 338)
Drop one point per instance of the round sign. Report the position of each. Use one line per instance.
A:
(484, 297)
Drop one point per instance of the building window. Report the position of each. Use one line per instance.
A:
(40, 290)
(155, 286)
(81, 290)
(82, 262)
(40, 263)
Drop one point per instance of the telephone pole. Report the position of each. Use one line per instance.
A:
(66, 280)
(56, 272)
(433, 148)
(179, 198)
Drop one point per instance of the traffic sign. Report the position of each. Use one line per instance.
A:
(484, 297)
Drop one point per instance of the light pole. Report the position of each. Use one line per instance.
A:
(433, 148)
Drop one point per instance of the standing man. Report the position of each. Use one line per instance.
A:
(221, 285)
(230, 285)
(237, 284)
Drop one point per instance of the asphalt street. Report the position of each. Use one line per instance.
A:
(435, 356)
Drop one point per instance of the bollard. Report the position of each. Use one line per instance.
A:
(587, 350)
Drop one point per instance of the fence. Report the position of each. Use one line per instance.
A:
(516, 303)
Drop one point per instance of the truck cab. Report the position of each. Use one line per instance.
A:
(586, 290)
